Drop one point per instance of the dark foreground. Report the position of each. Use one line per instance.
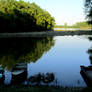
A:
(42, 89)
(44, 34)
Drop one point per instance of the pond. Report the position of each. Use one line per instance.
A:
(22, 60)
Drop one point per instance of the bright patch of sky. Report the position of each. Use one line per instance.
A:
(64, 11)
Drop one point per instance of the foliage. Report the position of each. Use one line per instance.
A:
(80, 25)
(88, 10)
(21, 16)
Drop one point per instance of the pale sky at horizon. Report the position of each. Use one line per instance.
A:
(64, 11)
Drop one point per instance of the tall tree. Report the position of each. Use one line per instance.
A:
(88, 10)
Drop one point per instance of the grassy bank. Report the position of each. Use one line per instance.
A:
(73, 30)
(42, 89)
(78, 25)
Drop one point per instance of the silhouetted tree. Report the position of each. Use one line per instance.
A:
(88, 10)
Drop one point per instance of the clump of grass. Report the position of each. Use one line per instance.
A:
(22, 88)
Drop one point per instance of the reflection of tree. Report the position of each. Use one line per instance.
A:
(15, 50)
(19, 73)
(89, 37)
(2, 77)
(90, 49)
(42, 78)
(90, 55)
(86, 73)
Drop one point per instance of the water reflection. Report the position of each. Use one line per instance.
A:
(90, 55)
(25, 61)
(15, 53)
(19, 73)
(27, 50)
(86, 72)
(41, 78)
(2, 77)
(90, 37)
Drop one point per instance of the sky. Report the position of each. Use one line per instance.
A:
(64, 11)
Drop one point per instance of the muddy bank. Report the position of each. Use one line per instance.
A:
(44, 34)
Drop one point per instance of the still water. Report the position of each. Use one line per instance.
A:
(21, 59)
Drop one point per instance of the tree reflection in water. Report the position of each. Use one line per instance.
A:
(19, 73)
(15, 53)
(86, 72)
(2, 77)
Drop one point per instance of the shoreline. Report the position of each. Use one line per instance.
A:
(21, 88)
(45, 34)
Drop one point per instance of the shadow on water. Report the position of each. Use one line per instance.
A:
(16, 53)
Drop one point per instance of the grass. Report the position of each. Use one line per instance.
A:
(22, 88)
(74, 30)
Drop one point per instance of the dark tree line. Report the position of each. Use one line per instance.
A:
(88, 10)
(21, 16)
